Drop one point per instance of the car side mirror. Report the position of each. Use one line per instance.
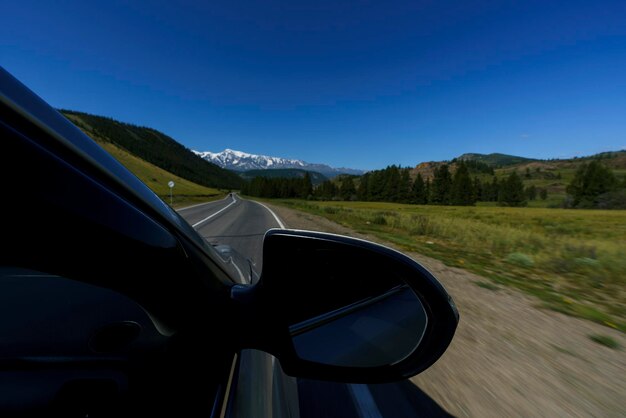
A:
(336, 308)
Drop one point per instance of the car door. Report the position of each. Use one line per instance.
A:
(110, 303)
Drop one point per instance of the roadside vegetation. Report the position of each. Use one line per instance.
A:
(573, 261)
(606, 341)
(184, 193)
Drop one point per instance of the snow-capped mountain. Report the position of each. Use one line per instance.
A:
(242, 161)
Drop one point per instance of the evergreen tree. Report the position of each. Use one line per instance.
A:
(392, 184)
(531, 192)
(495, 190)
(376, 186)
(543, 193)
(478, 189)
(441, 186)
(306, 187)
(512, 191)
(327, 190)
(462, 192)
(590, 181)
(363, 192)
(418, 191)
(347, 190)
(404, 187)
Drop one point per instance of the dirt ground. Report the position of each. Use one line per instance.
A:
(509, 357)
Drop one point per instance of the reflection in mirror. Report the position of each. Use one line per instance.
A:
(375, 331)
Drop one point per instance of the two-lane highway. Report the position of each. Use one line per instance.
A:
(233, 221)
(242, 223)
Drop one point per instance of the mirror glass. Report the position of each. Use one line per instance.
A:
(376, 331)
(345, 303)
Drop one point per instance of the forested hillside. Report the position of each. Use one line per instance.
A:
(287, 173)
(156, 148)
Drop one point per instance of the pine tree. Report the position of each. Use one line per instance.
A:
(347, 190)
(462, 191)
(376, 186)
(404, 187)
(363, 190)
(590, 181)
(306, 187)
(543, 193)
(326, 191)
(418, 191)
(392, 184)
(512, 191)
(478, 189)
(441, 185)
(495, 190)
(531, 192)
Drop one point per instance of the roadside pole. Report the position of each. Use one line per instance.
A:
(171, 184)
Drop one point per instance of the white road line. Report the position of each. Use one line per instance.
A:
(241, 276)
(364, 402)
(227, 393)
(282, 225)
(216, 213)
(200, 204)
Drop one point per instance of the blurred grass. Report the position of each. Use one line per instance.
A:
(574, 261)
(605, 341)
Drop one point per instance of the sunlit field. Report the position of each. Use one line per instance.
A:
(573, 261)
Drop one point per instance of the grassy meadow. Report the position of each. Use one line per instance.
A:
(184, 193)
(573, 261)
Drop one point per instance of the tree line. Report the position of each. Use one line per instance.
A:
(594, 186)
(277, 187)
(394, 184)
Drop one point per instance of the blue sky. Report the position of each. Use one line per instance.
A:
(360, 84)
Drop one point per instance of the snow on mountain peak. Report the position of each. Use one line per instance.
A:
(243, 161)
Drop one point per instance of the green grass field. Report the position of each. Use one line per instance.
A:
(573, 261)
(184, 193)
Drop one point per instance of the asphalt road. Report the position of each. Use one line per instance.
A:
(242, 224)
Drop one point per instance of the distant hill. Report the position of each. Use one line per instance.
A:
(288, 173)
(243, 161)
(156, 148)
(495, 159)
(612, 159)
(553, 175)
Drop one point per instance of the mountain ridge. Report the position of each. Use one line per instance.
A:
(242, 161)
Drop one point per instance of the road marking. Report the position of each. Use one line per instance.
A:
(216, 213)
(241, 276)
(200, 204)
(364, 401)
(227, 393)
(282, 225)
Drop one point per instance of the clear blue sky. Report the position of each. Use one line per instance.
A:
(360, 84)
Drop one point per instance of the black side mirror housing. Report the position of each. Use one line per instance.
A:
(336, 308)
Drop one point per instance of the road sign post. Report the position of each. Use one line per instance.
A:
(171, 184)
